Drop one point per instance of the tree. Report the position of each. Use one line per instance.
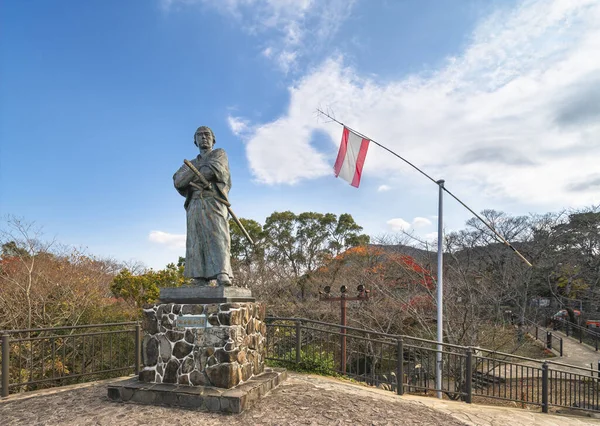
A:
(21, 250)
(570, 265)
(144, 288)
(247, 260)
(43, 284)
(346, 234)
(299, 244)
(287, 250)
(241, 249)
(399, 286)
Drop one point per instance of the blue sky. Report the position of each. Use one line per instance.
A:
(99, 101)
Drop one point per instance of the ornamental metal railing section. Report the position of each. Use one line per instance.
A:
(45, 357)
(473, 375)
(584, 335)
(40, 358)
(548, 338)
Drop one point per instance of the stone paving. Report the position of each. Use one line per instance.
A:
(578, 354)
(301, 400)
(486, 415)
(574, 353)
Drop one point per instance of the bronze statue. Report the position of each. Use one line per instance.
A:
(205, 182)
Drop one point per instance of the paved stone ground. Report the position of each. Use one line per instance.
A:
(301, 400)
(485, 415)
(576, 353)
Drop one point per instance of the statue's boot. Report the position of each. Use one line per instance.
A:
(200, 282)
(223, 279)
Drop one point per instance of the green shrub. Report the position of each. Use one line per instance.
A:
(312, 360)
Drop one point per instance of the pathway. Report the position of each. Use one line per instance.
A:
(301, 400)
(576, 353)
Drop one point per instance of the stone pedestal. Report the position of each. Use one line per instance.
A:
(234, 400)
(207, 294)
(203, 348)
(203, 344)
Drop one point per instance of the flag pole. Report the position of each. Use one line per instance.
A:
(440, 289)
(440, 250)
(490, 227)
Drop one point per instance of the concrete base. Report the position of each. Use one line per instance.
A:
(234, 400)
(205, 294)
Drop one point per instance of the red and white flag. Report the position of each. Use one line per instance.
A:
(351, 157)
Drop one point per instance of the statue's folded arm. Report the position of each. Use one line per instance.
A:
(183, 177)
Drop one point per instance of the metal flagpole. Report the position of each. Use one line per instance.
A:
(440, 290)
(440, 252)
(490, 227)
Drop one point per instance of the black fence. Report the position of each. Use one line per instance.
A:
(468, 374)
(548, 338)
(583, 334)
(40, 358)
(46, 357)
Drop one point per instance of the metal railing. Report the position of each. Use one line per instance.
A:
(551, 340)
(37, 358)
(405, 364)
(583, 334)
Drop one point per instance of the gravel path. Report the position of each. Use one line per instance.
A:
(300, 400)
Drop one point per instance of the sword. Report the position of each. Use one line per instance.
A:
(222, 199)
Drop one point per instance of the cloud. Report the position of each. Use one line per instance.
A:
(581, 104)
(287, 143)
(591, 183)
(383, 188)
(237, 125)
(172, 241)
(500, 155)
(508, 119)
(420, 222)
(430, 236)
(398, 224)
(293, 27)
(267, 52)
(286, 60)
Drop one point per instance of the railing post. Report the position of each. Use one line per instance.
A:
(561, 346)
(5, 364)
(298, 341)
(581, 335)
(549, 339)
(138, 352)
(536, 332)
(469, 376)
(544, 387)
(343, 335)
(400, 368)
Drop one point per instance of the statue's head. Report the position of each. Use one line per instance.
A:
(203, 136)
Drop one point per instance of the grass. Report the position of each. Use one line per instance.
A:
(506, 339)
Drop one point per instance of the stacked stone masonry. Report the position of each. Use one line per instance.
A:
(229, 351)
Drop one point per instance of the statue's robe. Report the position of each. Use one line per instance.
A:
(207, 248)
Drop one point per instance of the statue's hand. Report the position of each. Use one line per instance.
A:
(199, 184)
